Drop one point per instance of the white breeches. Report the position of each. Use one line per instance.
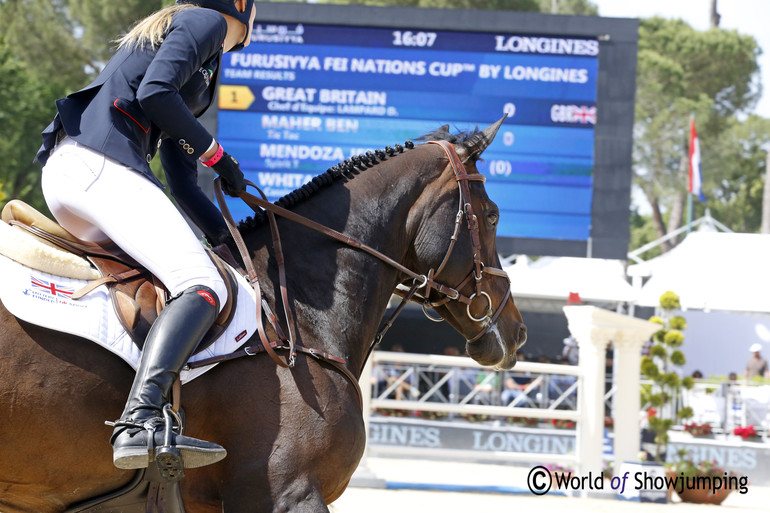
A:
(96, 198)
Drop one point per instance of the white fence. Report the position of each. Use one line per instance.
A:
(580, 396)
(456, 386)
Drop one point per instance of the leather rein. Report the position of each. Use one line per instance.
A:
(419, 281)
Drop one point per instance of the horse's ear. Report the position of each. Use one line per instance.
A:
(479, 142)
(442, 134)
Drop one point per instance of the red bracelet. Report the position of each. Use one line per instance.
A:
(215, 158)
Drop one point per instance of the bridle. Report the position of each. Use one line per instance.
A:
(419, 281)
(465, 211)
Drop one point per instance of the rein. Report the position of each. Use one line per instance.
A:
(418, 280)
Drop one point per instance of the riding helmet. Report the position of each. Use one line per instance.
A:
(225, 7)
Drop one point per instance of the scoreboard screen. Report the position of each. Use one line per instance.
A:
(304, 96)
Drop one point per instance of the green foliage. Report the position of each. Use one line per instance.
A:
(669, 301)
(712, 75)
(659, 367)
(739, 157)
(673, 338)
(103, 22)
(26, 107)
(677, 322)
(677, 357)
(642, 231)
(498, 5)
(577, 7)
(49, 49)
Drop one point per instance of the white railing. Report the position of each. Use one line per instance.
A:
(448, 384)
(594, 329)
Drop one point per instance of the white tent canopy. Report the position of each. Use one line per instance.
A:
(594, 279)
(710, 271)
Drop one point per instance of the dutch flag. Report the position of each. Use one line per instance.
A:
(695, 176)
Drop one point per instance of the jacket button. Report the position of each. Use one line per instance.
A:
(149, 158)
(190, 151)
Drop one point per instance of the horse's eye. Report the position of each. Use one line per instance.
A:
(492, 217)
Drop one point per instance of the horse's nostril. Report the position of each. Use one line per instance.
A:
(522, 335)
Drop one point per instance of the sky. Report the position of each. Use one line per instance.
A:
(746, 16)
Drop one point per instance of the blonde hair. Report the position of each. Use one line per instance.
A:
(152, 29)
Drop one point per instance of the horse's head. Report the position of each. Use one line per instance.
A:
(454, 243)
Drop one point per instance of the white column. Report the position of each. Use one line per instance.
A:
(592, 342)
(627, 402)
(594, 328)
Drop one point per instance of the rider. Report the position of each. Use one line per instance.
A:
(98, 184)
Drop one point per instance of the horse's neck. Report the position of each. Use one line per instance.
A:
(340, 294)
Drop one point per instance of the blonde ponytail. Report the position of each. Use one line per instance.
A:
(151, 30)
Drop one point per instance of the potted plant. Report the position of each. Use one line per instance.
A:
(691, 474)
(699, 430)
(659, 367)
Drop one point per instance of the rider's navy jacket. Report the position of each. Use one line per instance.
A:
(146, 97)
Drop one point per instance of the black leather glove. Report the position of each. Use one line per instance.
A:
(233, 183)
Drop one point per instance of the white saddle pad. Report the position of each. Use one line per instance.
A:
(45, 299)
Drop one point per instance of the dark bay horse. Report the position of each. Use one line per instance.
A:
(294, 436)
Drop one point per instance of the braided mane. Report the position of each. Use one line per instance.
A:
(349, 169)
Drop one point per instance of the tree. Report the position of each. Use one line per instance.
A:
(41, 35)
(681, 71)
(738, 159)
(26, 107)
(585, 7)
(579, 7)
(102, 22)
(499, 5)
(47, 50)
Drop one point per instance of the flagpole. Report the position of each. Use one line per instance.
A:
(690, 177)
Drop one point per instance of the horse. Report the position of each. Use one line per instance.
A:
(294, 436)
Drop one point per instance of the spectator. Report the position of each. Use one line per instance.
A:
(756, 365)
(510, 391)
(570, 352)
(697, 374)
(486, 385)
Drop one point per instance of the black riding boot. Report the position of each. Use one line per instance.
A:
(176, 333)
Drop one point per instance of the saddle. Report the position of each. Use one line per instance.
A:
(137, 295)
